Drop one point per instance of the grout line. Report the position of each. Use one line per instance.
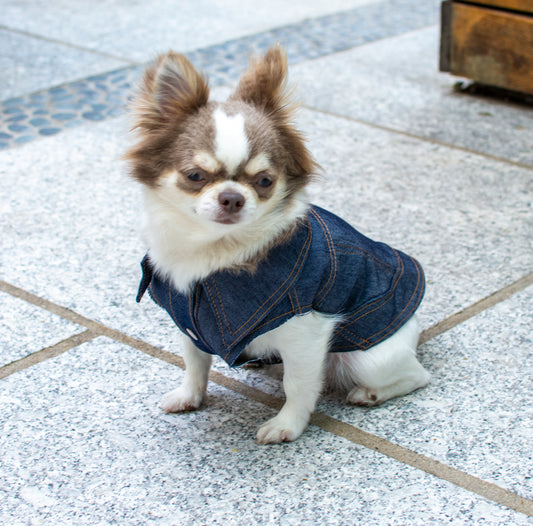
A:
(475, 309)
(96, 328)
(64, 312)
(419, 137)
(68, 44)
(325, 422)
(429, 465)
(47, 353)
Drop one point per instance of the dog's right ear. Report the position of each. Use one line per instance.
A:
(171, 89)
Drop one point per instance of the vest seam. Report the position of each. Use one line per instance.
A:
(333, 259)
(378, 261)
(382, 300)
(300, 260)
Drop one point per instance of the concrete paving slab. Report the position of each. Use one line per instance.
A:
(476, 414)
(118, 30)
(98, 97)
(395, 83)
(83, 443)
(31, 64)
(25, 329)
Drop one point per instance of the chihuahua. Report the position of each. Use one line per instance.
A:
(246, 267)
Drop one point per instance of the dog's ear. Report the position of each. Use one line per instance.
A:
(264, 84)
(171, 89)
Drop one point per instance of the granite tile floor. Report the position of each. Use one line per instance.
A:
(406, 158)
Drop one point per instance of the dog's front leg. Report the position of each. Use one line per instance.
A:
(303, 345)
(190, 394)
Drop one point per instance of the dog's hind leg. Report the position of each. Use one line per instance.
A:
(385, 371)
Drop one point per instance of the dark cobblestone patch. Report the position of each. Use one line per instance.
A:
(105, 95)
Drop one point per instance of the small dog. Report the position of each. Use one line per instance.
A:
(246, 267)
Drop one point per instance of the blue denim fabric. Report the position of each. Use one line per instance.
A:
(327, 266)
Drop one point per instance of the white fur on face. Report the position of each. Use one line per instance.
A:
(231, 143)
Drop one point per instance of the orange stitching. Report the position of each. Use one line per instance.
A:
(370, 254)
(297, 301)
(217, 314)
(281, 316)
(301, 260)
(195, 316)
(220, 302)
(290, 299)
(294, 279)
(333, 259)
(381, 299)
(385, 266)
(153, 296)
(416, 293)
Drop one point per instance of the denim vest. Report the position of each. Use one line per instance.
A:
(326, 266)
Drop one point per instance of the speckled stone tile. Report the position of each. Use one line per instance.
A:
(84, 443)
(395, 83)
(477, 412)
(25, 329)
(70, 225)
(30, 64)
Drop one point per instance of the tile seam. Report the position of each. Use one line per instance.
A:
(325, 422)
(100, 329)
(70, 45)
(419, 461)
(428, 140)
(45, 354)
(424, 463)
(476, 308)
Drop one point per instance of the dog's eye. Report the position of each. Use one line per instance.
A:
(264, 182)
(195, 177)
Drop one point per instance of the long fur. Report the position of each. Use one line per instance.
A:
(224, 183)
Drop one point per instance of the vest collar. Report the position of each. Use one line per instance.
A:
(237, 299)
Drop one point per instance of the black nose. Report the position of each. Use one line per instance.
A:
(231, 201)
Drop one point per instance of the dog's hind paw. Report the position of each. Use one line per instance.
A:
(363, 396)
(179, 400)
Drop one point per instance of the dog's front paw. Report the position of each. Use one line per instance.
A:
(181, 399)
(280, 429)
